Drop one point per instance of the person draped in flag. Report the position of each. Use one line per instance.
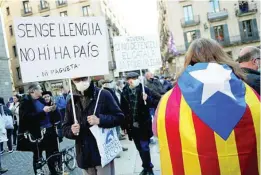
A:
(209, 123)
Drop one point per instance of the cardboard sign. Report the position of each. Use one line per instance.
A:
(139, 52)
(61, 47)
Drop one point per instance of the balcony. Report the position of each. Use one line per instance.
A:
(255, 38)
(237, 40)
(248, 9)
(43, 7)
(217, 16)
(224, 42)
(26, 11)
(240, 39)
(181, 49)
(190, 22)
(61, 3)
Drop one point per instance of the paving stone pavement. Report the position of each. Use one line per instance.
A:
(20, 163)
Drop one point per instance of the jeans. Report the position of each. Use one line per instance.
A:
(15, 134)
(9, 142)
(62, 111)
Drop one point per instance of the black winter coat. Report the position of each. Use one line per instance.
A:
(253, 79)
(155, 85)
(30, 122)
(144, 117)
(110, 115)
(113, 95)
(167, 86)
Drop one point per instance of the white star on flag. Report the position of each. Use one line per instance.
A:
(214, 78)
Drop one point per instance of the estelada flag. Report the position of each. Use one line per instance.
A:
(209, 124)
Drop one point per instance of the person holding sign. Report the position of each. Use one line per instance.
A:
(107, 115)
(35, 116)
(138, 122)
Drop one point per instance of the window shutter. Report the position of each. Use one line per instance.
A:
(255, 30)
(212, 33)
(186, 40)
(226, 34)
(198, 34)
(240, 23)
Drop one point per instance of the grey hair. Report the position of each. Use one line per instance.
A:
(119, 82)
(252, 53)
(32, 87)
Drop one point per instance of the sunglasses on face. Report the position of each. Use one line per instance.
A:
(77, 80)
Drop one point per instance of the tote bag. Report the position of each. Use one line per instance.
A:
(107, 140)
(3, 134)
(7, 118)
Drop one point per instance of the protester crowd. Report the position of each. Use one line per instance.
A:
(130, 104)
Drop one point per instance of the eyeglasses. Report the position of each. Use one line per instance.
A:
(77, 80)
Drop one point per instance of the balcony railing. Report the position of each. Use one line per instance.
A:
(217, 16)
(185, 22)
(249, 9)
(181, 49)
(43, 6)
(237, 40)
(224, 42)
(26, 11)
(61, 3)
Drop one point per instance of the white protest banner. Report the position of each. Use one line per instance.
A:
(52, 48)
(138, 52)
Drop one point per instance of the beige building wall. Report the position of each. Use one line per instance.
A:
(174, 15)
(72, 7)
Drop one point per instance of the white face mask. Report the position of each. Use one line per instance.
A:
(111, 85)
(82, 85)
(135, 83)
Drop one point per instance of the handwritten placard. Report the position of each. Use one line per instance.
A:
(138, 52)
(61, 47)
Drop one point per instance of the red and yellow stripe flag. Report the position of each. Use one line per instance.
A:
(188, 146)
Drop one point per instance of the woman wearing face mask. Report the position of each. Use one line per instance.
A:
(14, 107)
(108, 115)
(137, 117)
